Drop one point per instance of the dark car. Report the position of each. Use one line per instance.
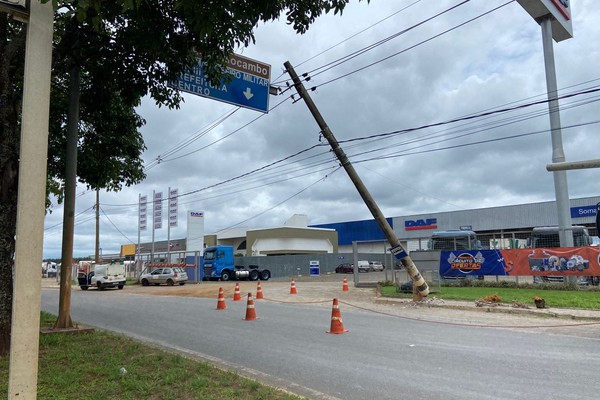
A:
(406, 287)
(345, 268)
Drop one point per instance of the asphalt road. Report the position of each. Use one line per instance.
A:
(382, 356)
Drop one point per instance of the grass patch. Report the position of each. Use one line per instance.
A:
(87, 366)
(553, 298)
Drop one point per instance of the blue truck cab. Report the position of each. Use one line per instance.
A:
(219, 263)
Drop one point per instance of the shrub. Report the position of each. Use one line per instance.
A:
(512, 284)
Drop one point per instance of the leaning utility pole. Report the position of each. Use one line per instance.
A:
(396, 248)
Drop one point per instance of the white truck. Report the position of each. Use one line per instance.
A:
(101, 276)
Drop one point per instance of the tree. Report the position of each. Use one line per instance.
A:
(122, 50)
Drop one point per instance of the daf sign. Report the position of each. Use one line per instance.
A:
(560, 10)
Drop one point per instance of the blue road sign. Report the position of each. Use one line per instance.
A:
(248, 86)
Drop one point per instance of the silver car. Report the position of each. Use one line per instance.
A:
(167, 275)
(376, 266)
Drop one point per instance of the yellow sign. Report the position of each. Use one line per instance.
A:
(127, 250)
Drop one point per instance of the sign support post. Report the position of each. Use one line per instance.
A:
(561, 187)
(554, 16)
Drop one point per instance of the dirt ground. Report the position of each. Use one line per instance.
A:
(366, 300)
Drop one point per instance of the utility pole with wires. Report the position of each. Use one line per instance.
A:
(97, 253)
(421, 288)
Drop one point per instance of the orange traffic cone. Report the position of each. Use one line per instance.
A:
(221, 302)
(293, 288)
(250, 310)
(237, 296)
(337, 325)
(345, 285)
(259, 293)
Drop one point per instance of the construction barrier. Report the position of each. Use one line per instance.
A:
(259, 292)
(293, 288)
(221, 301)
(237, 296)
(250, 310)
(337, 326)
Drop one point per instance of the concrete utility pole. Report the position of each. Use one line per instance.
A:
(396, 248)
(31, 203)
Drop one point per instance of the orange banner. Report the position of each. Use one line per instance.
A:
(566, 261)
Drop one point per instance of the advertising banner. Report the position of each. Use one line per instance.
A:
(143, 212)
(173, 194)
(472, 262)
(195, 231)
(157, 210)
(564, 261)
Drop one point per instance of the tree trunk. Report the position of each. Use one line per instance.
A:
(64, 305)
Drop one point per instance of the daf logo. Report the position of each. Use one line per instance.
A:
(413, 225)
(196, 214)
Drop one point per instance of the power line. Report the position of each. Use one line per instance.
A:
(228, 135)
(372, 46)
(188, 141)
(479, 142)
(114, 226)
(409, 48)
(283, 201)
(379, 136)
(347, 39)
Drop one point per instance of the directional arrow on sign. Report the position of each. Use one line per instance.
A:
(248, 93)
(248, 87)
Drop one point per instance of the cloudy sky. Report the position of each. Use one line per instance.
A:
(441, 70)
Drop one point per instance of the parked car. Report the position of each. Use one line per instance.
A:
(345, 268)
(363, 266)
(169, 276)
(376, 266)
(51, 272)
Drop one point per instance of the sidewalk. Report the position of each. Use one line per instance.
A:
(548, 312)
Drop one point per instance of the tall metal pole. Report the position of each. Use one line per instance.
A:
(31, 205)
(396, 248)
(168, 227)
(138, 262)
(97, 254)
(561, 188)
(153, 224)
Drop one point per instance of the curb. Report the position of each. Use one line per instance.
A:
(501, 308)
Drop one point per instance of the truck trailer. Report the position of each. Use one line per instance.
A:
(219, 263)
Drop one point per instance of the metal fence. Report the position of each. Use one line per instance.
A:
(281, 267)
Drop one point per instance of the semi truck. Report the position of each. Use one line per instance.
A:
(454, 240)
(548, 237)
(101, 276)
(219, 263)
